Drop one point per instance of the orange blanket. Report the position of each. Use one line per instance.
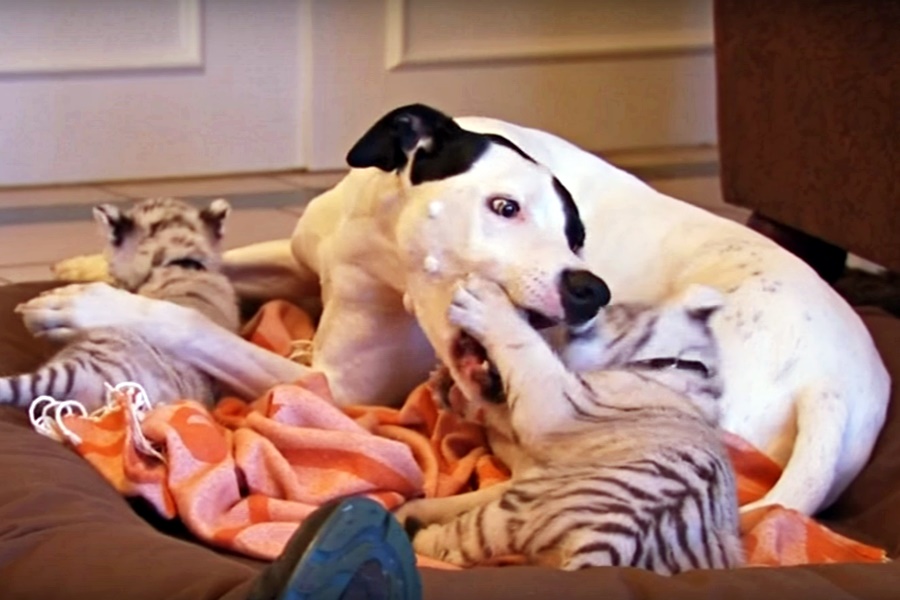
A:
(244, 475)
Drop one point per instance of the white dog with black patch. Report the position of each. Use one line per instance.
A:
(431, 199)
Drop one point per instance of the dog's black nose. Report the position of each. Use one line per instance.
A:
(583, 295)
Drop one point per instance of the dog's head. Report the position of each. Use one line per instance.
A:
(472, 202)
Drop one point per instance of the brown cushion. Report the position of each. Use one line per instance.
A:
(65, 533)
(19, 351)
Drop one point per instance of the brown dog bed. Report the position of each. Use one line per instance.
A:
(65, 533)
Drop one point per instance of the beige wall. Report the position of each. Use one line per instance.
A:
(608, 74)
(113, 89)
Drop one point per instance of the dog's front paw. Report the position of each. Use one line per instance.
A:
(477, 305)
(91, 267)
(60, 313)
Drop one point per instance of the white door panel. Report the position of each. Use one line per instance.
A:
(122, 89)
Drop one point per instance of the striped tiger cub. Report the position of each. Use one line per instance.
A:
(161, 248)
(612, 444)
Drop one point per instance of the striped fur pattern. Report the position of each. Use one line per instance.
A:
(614, 453)
(161, 248)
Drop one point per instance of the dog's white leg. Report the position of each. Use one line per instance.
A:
(441, 510)
(373, 354)
(269, 270)
(811, 469)
(244, 367)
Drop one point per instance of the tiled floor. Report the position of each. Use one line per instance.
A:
(41, 226)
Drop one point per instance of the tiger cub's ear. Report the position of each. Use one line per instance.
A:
(702, 301)
(214, 216)
(114, 224)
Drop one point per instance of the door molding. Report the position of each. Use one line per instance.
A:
(186, 53)
(400, 54)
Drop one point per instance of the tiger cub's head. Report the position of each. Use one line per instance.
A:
(670, 342)
(161, 232)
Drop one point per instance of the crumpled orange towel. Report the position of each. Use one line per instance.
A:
(243, 476)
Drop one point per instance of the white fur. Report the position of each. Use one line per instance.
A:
(803, 380)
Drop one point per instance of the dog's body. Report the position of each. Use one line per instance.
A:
(803, 380)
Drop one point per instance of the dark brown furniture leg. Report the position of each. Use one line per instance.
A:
(808, 127)
(827, 259)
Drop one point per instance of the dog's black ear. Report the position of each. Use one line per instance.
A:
(388, 144)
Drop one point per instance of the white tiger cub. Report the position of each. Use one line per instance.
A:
(161, 248)
(614, 454)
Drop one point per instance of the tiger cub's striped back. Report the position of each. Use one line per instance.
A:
(161, 248)
(614, 452)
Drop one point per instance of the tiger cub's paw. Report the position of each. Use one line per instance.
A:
(479, 306)
(431, 542)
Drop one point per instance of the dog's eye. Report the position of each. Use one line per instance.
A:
(504, 207)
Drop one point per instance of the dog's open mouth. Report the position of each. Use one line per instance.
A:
(539, 321)
(473, 363)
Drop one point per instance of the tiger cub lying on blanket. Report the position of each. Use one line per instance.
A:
(614, 456)
(161, 248)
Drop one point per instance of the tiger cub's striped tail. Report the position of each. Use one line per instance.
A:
(78, 375)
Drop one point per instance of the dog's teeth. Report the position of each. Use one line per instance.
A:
(408, 304)
(485, 365)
